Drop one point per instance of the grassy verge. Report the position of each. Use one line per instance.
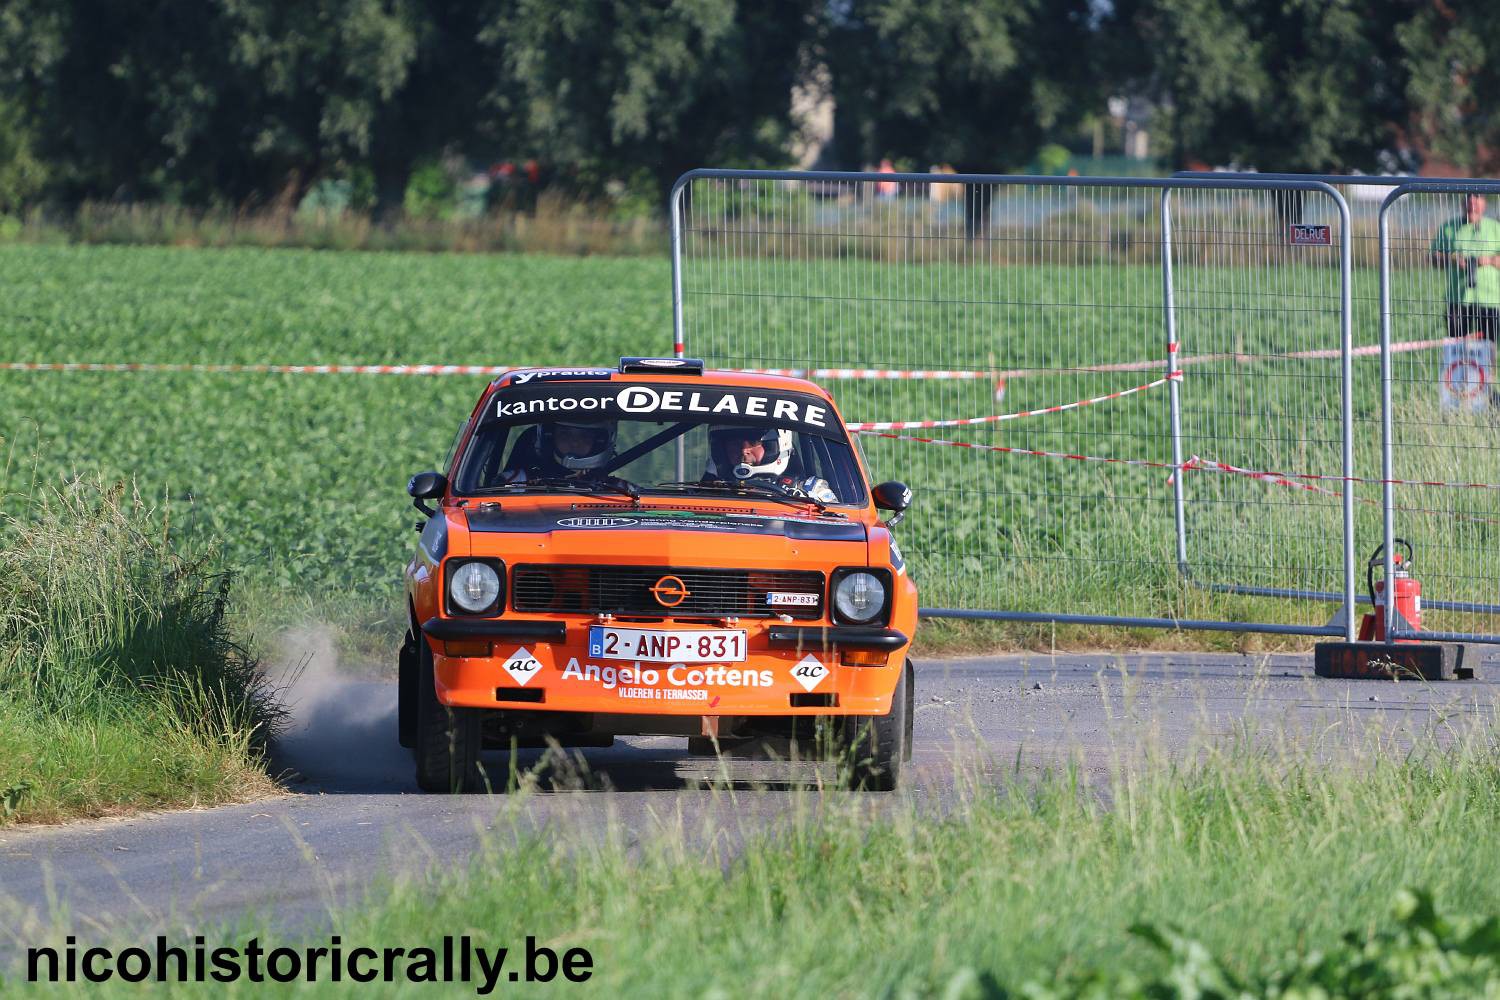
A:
(1263, 861)
(1247, 873)
(120, 685)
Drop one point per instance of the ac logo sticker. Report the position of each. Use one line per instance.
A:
(522, 666)
(809, 672)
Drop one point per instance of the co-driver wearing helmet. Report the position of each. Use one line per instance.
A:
(566, 450)
(751, 453)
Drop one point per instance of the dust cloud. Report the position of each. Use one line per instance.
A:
(341, 731)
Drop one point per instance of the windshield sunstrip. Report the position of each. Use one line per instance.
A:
(719, 404)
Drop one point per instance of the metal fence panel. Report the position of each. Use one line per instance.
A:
(1024, 321)
(1364, 194)
(1440, 409)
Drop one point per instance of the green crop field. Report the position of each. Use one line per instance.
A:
(300, 477)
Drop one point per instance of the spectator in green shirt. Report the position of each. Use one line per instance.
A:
(1469, 248)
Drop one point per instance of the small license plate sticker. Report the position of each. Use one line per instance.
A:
(720, 645)
(784, 599)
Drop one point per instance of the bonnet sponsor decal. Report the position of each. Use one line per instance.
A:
(596, 522)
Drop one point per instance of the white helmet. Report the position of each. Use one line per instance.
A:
(777, 442)
(601, 447)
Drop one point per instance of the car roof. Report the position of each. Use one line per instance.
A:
(711, 376)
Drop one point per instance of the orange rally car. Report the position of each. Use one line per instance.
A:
(661, 550)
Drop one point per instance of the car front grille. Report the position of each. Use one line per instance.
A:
(627, 590)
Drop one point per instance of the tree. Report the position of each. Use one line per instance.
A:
(1311, 86)
(1451, 56)
(388, 83)
(618, 87)
(118, 97)
(240, 100)
(978, 84)
(22, 175)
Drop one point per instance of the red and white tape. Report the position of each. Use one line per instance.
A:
(836, 374)
(1304, 480)
(1192, 464)
(827, 374)
(1007, 449)
(1270, 477)
(893, 425)
(80, 366)
(881, 374)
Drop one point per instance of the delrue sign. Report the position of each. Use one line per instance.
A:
(1302, 235)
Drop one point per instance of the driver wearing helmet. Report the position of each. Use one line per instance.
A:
(563, 449)
(750, 453)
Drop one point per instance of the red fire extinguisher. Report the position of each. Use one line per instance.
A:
(1408, 594)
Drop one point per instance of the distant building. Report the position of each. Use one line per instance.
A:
(812, 113)
(1131, 116)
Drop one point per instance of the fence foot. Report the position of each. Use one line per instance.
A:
(1431, 661)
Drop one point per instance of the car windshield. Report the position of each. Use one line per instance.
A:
(630, 439)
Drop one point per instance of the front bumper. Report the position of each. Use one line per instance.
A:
(788, 670)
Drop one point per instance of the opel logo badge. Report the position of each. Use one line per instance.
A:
(670, 591)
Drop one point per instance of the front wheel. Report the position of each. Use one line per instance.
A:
(878, 747)
(447, 739)
(407, 671)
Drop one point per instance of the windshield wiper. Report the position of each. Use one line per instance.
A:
(607, 489)
(766, 490)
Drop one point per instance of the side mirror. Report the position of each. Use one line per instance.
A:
(894, 497)
(426, 486)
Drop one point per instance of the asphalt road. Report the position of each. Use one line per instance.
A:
(353, 815)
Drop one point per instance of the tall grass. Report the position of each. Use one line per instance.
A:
(1263, 857)
(555, 225)
(120, 684)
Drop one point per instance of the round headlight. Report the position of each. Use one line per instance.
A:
(474, 586)
(859, 596)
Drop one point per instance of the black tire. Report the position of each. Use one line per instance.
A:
(406, 693)
(447, 739)
(911, 710)
(878, 746)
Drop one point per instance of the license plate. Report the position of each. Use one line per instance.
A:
(720, 645)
